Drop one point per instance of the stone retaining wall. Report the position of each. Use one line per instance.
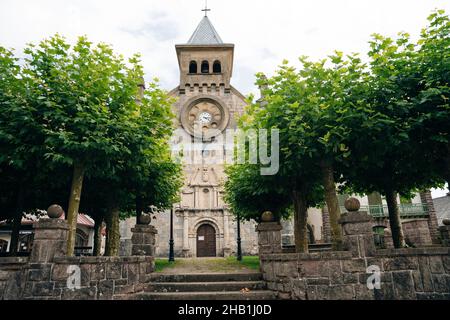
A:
(413, 273)
(12, 277)
(102, 278)
(48, 274)
(410, 274)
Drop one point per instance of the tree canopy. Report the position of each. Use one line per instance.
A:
(376, 126)
(85, 109)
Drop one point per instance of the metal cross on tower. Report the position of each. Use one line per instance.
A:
(206, 8)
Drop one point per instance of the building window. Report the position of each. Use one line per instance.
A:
(378, 234)
(26, 242)
(81, 239)
(217, 68)
(193, 67)
(3, 246)
(205, 67)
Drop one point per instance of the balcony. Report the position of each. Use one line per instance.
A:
(415, 210)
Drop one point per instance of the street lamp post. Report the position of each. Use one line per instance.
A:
(239, 249)
(171, 241)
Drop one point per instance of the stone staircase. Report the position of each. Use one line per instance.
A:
(206, 286)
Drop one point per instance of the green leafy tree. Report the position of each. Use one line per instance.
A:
(297, 178)
(307, 105)
(430, 98)
(144, 175)
(79, 92)
(331, 89)
(395, 149)
(14, 157)
(88, 98)
(23, 172)
(249, 194)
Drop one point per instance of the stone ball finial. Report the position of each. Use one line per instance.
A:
(145, 219)
(55, 211)
(352, 204)
(267, 216)
(446, 222)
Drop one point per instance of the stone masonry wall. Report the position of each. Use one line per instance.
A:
(417, 232)
(102, 278)
(405, 274)
(48, 274)
(12, 277)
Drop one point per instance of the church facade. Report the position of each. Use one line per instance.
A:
(206, 106)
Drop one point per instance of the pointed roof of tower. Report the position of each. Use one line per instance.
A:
(205, 34)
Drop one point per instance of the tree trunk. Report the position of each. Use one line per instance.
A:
(326, 228)
(394, 219)
(300, 222)
(112, 232)
(98, 236)
(17, 222)
(333, 205)
(74, 205)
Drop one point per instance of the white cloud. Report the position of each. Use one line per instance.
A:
(437, 193)
(264, 31)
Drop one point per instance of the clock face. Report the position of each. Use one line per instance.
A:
(205, 117)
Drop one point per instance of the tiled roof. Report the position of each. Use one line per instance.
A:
(82, 219)
(442, 207)
(205, 33)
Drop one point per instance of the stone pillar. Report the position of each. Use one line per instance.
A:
(50, 240)
(445, 232)
(197, 196)
(269, 237)
(226, 235)
(326, 228)
(186, 234)
(417, 232)
(357, 230)
(433, 226)
(143, 240)
(388, 241)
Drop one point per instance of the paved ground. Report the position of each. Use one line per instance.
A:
(207, 265)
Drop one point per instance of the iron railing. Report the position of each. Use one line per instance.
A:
(410, 210)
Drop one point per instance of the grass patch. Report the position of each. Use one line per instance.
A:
(232, 264)
(194, 265)
(251, 262)
(161, 264)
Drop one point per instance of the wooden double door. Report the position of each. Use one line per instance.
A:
(206, 241)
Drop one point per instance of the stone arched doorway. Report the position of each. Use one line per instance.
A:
(206, 241)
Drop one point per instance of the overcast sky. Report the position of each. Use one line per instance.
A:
(264, 31)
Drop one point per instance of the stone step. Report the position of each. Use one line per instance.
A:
(317, 247)
(213, 295)
(204, 286)
(205, 277)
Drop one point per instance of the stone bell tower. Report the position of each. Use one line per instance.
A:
(206, 103)
(205, 60)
